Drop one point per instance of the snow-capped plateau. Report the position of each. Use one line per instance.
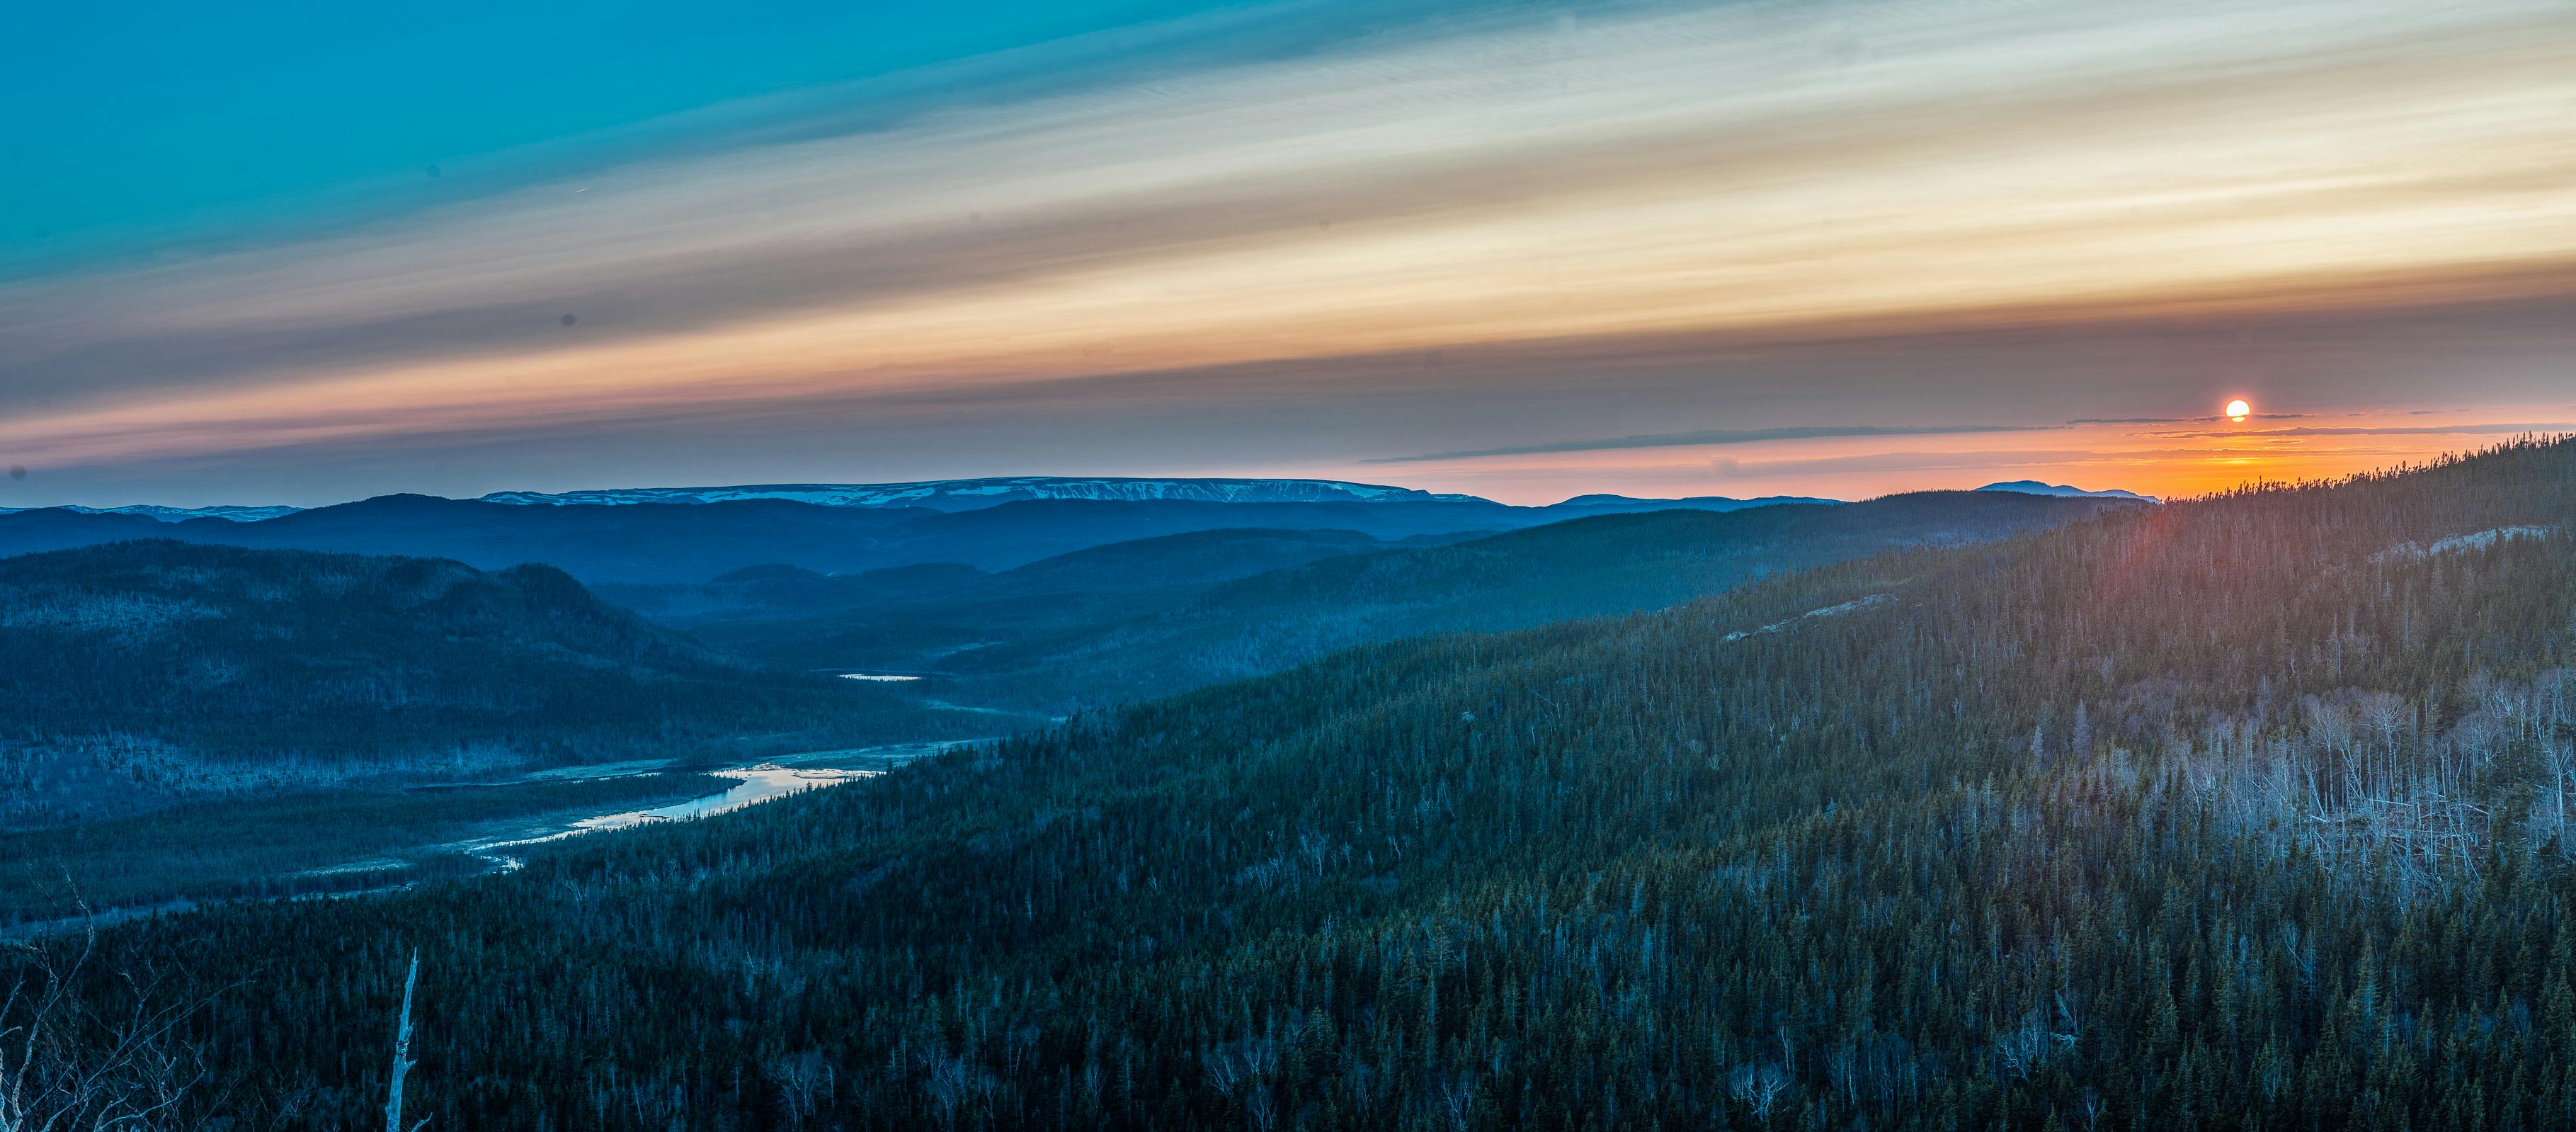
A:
(968, 495)
(2034, 487)
(171, 514)
(1606, 502)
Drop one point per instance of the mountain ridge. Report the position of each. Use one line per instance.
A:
(1085, 649)
(690, 542)
(230, 511)
(966, 494)
(987, 491)
(193, 670)
(2035, 487)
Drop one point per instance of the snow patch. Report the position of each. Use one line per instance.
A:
(1853, 605)
(171, 514)
(2455, 544)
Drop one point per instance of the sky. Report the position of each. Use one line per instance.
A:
(289, 253)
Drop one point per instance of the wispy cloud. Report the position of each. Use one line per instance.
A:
(2379, 430)
(2181, 420)
(1911, 461)
(1738, 168)
(1708, 436)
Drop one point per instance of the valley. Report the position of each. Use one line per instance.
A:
(292, 843)
(1136, 620)
(260, 722)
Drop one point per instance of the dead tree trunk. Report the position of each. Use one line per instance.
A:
(402, 1050)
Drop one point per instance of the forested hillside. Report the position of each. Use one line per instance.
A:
(1101, 627)
(1160, 571)
(2246, 812)
(136, 673)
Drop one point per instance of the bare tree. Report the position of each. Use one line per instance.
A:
(66, 1064)
(1458, 1099)
(1759, 1086)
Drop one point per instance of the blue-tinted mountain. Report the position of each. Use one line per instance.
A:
(238, 514)
(153, 670)
(692, 542)
(2034, 487)
(973, 494)
(1127, 631)
(691, 535)
(1165, 565)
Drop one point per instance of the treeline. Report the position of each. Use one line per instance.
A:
(2244, 812)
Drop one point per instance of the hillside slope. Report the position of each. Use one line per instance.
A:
(1163, 564)
(144, 671)
(2238, 813)
(1155, 634)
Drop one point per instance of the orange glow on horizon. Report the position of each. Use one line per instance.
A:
(2171, 459)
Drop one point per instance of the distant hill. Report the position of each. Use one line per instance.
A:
(973, 494)
(1133, 634)
(172, 514)
(991, 491)
(693, 542)
(1163, 565)
(2034, 487)
(690, 535)
(145, 671)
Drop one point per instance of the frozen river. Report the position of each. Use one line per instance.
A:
(752, 786)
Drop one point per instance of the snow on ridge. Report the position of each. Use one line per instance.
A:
(958, 495)
(1604, 501)
(2454, 544)
(237, 514)
(1854, 605)
(2035, 487)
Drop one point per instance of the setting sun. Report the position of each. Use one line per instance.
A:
(2238, 410)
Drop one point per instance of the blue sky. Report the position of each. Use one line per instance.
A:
(168, 122)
